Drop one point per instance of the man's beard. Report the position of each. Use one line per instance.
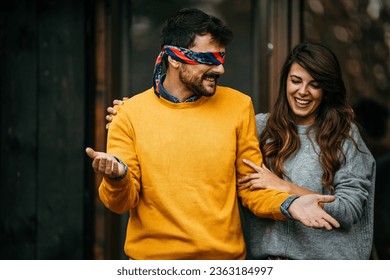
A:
(197, 87)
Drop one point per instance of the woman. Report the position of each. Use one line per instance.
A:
(309, 140)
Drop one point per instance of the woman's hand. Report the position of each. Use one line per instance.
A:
(262, 179)
(266, 179)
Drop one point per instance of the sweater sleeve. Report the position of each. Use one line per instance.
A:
(264, 203)
(354, 183)
(121, 195)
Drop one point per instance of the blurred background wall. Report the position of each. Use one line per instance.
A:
(63, 62)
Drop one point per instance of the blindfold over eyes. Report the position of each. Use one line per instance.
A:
(190, 57)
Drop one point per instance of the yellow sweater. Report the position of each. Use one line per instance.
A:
(183, 161)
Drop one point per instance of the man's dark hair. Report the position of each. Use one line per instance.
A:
(181, 29)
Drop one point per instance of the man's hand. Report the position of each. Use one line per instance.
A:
(105, 164)
(112, 112)
(308, 211)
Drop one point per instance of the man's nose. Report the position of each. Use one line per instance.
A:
(219, 69)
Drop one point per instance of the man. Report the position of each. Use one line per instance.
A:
(179, 150)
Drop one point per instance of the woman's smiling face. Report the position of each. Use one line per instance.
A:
(304, 95)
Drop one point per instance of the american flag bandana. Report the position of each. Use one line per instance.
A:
(185, 56)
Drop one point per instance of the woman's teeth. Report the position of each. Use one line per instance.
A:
(302, 102)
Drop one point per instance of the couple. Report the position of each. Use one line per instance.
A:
(184, 154)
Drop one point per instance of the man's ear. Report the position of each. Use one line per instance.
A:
(174, 63)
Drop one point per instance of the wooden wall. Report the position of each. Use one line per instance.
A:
(45, 204)
(61, 64)
(276, 28)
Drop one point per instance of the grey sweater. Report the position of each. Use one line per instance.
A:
(354, 186)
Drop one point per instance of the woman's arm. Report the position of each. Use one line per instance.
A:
(264, 178)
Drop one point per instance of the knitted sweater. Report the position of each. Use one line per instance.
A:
(183, 161)
(353, 208)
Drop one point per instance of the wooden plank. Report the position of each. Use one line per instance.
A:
(18, 142)
(261, 54)
(112, 82)
(61, 133)
(285, 31)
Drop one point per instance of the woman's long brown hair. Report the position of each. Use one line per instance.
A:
(279, 140)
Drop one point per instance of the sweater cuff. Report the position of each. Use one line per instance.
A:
(286, 204)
